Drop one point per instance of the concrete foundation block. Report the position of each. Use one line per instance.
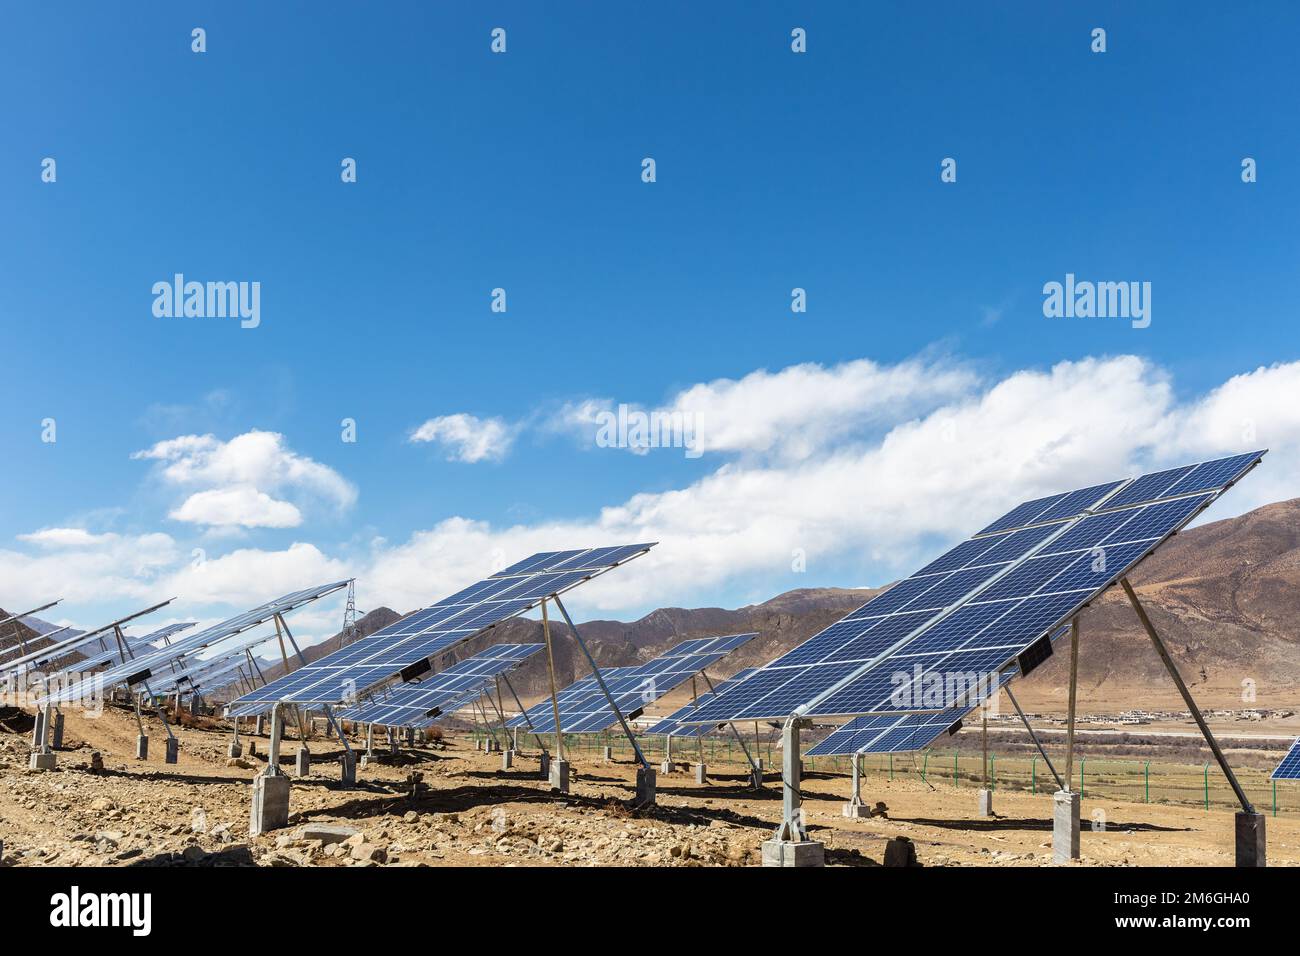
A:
(234, 750)
(609, 754)
(259, 727)
(507, 759)
(270, 810)
(1251, 843)
(348, 769)
(545, 766)
(856, 810)
(56, 732)
(327, 833)
(252, 748)
(43, 761)
(142, 747)
(666, 767)
(1065, 826)
(701, 773)
(645, 787)
(368, 759)
(560, 775)
(986, 803)
(173, 750)
(786, 853)
(302, 764)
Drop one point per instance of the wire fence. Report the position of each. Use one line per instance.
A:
(1135, 781)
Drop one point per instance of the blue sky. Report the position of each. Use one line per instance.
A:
(522, 171)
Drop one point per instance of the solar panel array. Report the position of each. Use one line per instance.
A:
(143, 665)
(65, 646)
(895, 733)
(584, 709)
(1289, 768)
(364, 664)
(133, 644)
(673, 723)
(986, 601)
(409, 705)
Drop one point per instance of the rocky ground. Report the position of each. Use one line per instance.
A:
(452, 805)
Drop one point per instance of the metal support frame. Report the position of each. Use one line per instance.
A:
(273, 752)
(1074, 696)
(329, 715)
(281, 630)
(1034, 737)
(792, 828)
(758, 779)
(1246, 805)
(524, 711)
(550, 669)
(627, 731)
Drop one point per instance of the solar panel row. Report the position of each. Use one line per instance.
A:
(674, 723)
(584, 708)
(981, 604)
(1289, 768)
(351, 671)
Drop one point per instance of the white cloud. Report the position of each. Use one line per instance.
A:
(81, 567)
(467, 438)
(241, 505)
(796, 411)
(238, 478)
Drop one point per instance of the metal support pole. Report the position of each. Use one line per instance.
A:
(792, 828)
(1187, 696)
(753, 765)
(984, 748)
(524, 711)
(1074, 685)
(645, 764)
(1034, 737)
(277, 730)
(550, 669)
(329, 715)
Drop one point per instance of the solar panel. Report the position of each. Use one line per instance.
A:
(404, 704)
(405, 646)
(979, 606)
(584, 709)
(673, 723)
(140, 668)
(132, 644)
(60, 648)
(1289, 768)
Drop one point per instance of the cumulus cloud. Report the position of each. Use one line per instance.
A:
(237, 481)
(468, 438)
(80, 566)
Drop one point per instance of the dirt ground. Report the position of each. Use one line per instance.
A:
(467, 811)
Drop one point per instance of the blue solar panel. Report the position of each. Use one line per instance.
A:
(672, 724)
(403, 705)
(584, 709)
(1289, 768)
(349, 672)
(981, 604)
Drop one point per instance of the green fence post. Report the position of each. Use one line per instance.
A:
(1275, 797)
(993, 772)
(1083, 762)
(891, 767)
(1207, 785)
(1033, 775)
(1146, 779)
(954, 768)
(925, 764)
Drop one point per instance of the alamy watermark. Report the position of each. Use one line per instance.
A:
(939, 690)
(208, 300)
(640, 431)
(1083, 299)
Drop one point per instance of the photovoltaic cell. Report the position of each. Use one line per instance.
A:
(584, 709)
(1289, 768)
(981, 604)
(350, 672)
(672, 724)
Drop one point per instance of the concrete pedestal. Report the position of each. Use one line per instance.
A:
(368, 759)
(270, 809)
(56, 732)
(252, 748)
(560, 775)
(348, 772)
(303, 764)
(900, 851)
(234, 750)
(609, 754)
(986, 803)
(142, 747)
(666, 767)
(1065, 826)
(410, 736)
(43, 761)
(1251, 845)
(545, 766)
(645, 787)
(173, 750)
(856, 809)
(785, 853)
(507, 759)
(701, 773)
(260, 727)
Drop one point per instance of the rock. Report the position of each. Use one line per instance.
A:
(410, 817)
(193, 854)
(328, 833)
(369, 853)
(111, 837)
(102, 803)
(239, 762)
(900, 851)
